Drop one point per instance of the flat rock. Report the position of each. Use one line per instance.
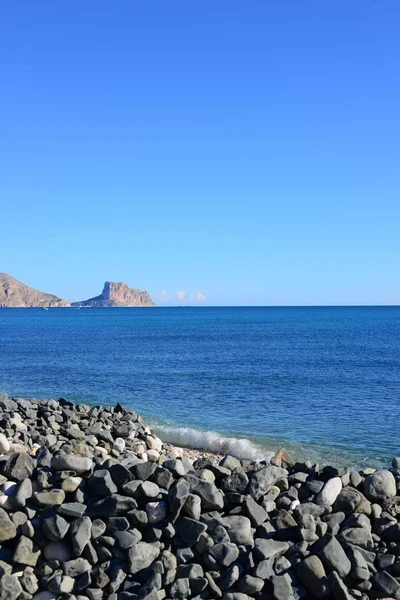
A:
(269, 548)
(71, 462)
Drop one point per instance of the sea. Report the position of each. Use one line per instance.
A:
(322, 382)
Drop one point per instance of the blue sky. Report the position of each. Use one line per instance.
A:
(245, 151)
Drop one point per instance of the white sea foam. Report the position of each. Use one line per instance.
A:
(213, 442)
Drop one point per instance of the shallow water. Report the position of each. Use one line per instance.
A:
(323, 382)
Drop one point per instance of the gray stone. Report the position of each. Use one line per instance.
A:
(190, 530)
(22, 493)
(101, 483)
(49, 498)
(176, 466)
(281, 565)
(338, 587)
(256, 513)
(141, 556)
(334, 557)
(76, 567)
(251, 585)
(73, 510)
(269, 548)
(25, 553)
(192, 507)
(230, 462)
(357, 536)
(351, 500)
(282, 586)
(71, 462)
(8, 531)
(211, 497)
(312, 574)
(264, 479)
(57, 551)
(111, 506)
(380, 485)
(359, 566)
(229, 577)
(239, 529)
(126, 539)
(224, 554)
(180, 589)
(236, 482)
(55, 528)
(80, 532)
(309, 508)
(18, 466)
(149, 489)
(10, 587)
(177, 496)
(387, 584)
(29, 581)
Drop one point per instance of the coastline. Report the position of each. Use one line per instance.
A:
(95, 506)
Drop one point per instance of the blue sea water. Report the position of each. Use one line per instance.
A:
(323, 382)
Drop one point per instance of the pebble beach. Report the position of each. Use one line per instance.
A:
(93, 506)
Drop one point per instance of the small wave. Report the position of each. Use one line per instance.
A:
(212, 441)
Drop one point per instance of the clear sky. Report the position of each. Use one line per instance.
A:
(248, 152)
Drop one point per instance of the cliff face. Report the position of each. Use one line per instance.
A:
(14, 294)
(118, 294)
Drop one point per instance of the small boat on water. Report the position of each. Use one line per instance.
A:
(45, 308)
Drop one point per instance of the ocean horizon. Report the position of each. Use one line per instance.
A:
(321, 381)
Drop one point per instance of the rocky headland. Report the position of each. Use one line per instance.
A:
(118, 295)
(14, 294)
(93, 506)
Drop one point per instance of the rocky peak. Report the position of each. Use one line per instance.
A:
(118, 294)
(14, 294)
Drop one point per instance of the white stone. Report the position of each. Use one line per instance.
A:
(330, 492)
(102, 451)
(119, 445)
(140, 449)
(70, 484)
(4, 444)
(207, 475)
(18, 422)
(156, 511)
(18, 448)
(5, 502)
(153, 455)
(293, 504)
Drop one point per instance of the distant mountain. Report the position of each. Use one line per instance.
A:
(118, 294)
(14, 294)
